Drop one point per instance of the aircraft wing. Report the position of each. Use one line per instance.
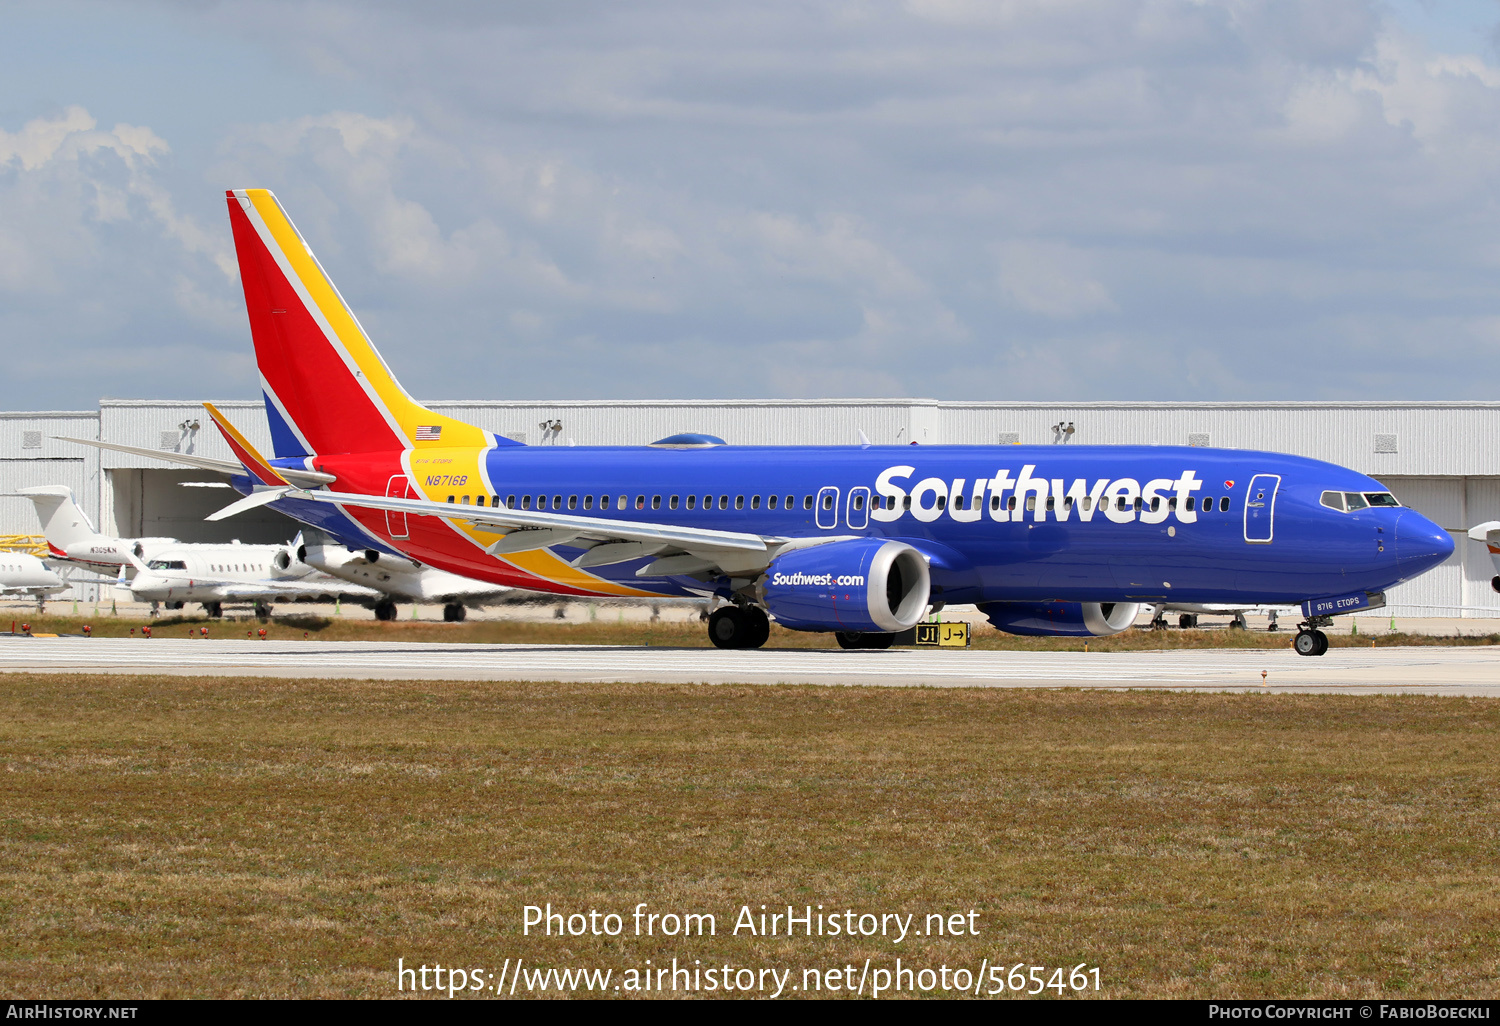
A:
(681, 550)
(230, 467)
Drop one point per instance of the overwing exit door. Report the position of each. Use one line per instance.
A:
(1260, 508)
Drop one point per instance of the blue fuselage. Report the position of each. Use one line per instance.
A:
(1011, 523)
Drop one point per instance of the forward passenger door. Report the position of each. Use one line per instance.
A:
(1260, 508)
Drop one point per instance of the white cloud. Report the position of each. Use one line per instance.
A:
(680, 199)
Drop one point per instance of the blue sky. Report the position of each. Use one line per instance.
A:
(1031, 199)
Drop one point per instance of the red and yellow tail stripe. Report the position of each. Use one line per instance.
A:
(244, 451)
(318, 365)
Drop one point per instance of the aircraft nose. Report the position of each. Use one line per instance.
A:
(1420, 544)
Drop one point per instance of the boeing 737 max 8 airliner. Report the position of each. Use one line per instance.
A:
(858, 540)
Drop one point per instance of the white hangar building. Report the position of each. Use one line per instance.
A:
(1442, 458)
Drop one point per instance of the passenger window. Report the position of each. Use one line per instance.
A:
(1381, 499)
(1355, 501)
(1010, 503)
(510, 502)
(1191, 502)
(672, 502)
(1155, 503)
(1051, 502)
(656, 502)
(739, 502)
(771, 501)
(450, 498)
(1333, 500)
(588, 502)
(541, 502)
(1172, 502)
(557, 502)
(994, 502)
(859, 501)
(1139, 504)
(906, 502)
(623, 503)
(465, 501)
(791, 500)
(640, 502)
(1120, 503)
(807, 502)
(1088, 503)
(692, 501)
(755, 502)
(1030, 503)
(572, 502)
(525, 502)
(942, 502)
(1067, 501)
(828, 501)
(1224, 504)
(708, 502)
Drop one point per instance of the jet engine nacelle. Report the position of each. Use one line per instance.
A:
(865, 585)
(1073, 619)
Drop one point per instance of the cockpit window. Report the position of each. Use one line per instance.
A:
(1381, 499)
(1355, 500)
(166, 564)
(1334, 500)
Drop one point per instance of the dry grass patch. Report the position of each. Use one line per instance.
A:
(166, 836)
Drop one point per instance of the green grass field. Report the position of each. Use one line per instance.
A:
(173, 837)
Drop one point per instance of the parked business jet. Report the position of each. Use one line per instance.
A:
(72, 539)
(22, 575)
(216, 574)
(181, 572)
(859, 540)
(396, 576)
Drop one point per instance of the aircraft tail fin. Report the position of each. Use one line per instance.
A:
(327, 390)
(63, 522)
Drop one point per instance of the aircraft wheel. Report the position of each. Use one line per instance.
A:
(214, 609)
(385, 610)
(1187, 620)
(262, 611)
(454, 612)
(1495, 583)
(758, 626)
(1310, 643)
(726, 628)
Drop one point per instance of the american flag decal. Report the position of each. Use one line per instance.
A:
(428, 434)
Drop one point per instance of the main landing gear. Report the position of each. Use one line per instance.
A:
(385, 610)
(739, 627)
(454, 612)
(1309, 640)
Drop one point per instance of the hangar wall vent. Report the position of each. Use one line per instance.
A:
(31, 439)
(1198, 439)
(1009, 438)
(1385, 443)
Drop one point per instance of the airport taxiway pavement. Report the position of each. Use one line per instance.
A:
(1419, 669)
